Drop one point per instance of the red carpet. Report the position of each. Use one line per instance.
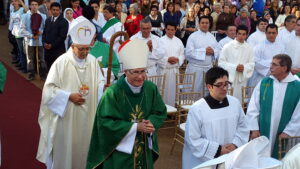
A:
(19, 108)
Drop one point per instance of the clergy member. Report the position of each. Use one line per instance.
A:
(288, 31)
(2, 77)
(128, 117)
(170, 63)
(274, 108)
(69, 101)
(259, 35)
(238, 59)
(201, 50)
(263, 54)
(215, 124)
(231, 34)
(156, 52)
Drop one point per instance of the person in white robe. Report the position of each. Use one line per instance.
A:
(215, 124)
(201, 51)
(292, 48)
(288, 31)
(69, 100)
(231, 34)
(237, 58)
(259, 35)
(291, 159)
(111, 26)
(274, 108)
(170, 63)
(156, 52)
(263, 54)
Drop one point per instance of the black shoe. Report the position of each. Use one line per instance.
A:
(30, 77)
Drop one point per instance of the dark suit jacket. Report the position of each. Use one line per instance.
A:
(55, 34)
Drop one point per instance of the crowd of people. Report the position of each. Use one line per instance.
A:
(224, 42)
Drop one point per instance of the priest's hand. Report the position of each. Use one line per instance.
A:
(145, 126)
(254, 134)
(224, 150)
(76, 98)
(173, 60)
(240, 68)
(149, 43)
(209, 51)
(230, 147)
(283, 135)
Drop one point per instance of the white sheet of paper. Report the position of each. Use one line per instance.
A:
(200, 53)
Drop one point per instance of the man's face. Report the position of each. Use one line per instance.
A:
(262, 26)
(34, 6)
(136, 77)
(204, 25)
(297, 28)
(219, 89)
(107, 15)
(276, 69)
(271, 34)
(96, 7)
(231, 32)
(55, 11)
(241, 36)
(226, 9)
(291, 25)
(146, 29)
(170, 31)
(81, 51)
(119, 7)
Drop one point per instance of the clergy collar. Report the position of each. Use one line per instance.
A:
(134, 89)
(216, 104)
(237, 43)
(287, 79)
(201, 32)
(140, 35)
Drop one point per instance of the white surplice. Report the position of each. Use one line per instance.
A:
(279, 89)
(291, 159)
(172, 48)
(256, 38)
(292, 48)
(263, 54)
(156, 54)
(66, 127)
(223, 42)
(195, 53)
(284, 36)
(208, 128)
(235, 53)
(112, 30)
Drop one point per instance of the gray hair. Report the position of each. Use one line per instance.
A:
(285, 60)
(135, 7)
(217, 4)
(145, 20)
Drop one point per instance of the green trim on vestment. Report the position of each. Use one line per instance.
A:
(298, 74)
(3, 73)
(109, 23)
(291, 99)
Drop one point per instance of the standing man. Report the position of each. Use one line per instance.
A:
(231, 34)
(259, 35)
(55, 33)
(33, 40)
(154, 44)
(170, 63)
(263, 54)
(293, 49)
(201, 49)
(128, 116)
(215, 124)
(69, 101)
(286, 33)
(274, 108)
(238, 59)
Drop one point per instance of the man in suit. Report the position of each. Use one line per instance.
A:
(55, 33)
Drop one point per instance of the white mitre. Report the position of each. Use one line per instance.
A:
(133, 54)
(253, 155)
(82, 31)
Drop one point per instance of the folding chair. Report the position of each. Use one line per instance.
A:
(246, 96)
(286, 144)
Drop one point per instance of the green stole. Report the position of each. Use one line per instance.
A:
(102, 49)
(298, 74)
(3, 72)
(109, 23)
(117, 109)
(290, 102)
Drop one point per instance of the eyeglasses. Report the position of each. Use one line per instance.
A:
(136, 73)
(83, 49)
(275, 64)
(223, 85)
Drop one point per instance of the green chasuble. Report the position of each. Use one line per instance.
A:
(118, 109)
(291, 99)
(109, 23)
(102, 49)
(2, 77)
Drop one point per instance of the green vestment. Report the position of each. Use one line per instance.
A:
(102, 49)
(118, 109)
(2, 77)
(109, 23)
(291, 99)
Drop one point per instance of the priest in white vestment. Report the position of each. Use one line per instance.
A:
(274, 108)
(215, 124)
(237, 58)
(292, 48)
(231, 34)
(170, 63)
(156, 51)
(70, 96)
(259, 35)
(201, 51)
(263, 54)
(288, 31)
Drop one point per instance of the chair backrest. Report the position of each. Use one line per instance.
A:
(185, 82)
(230, 91)
(286, 144)
(188, 98)
(159, 81)
(246, 95)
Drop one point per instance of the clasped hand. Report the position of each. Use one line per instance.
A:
(145, 126)
(76, 98)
